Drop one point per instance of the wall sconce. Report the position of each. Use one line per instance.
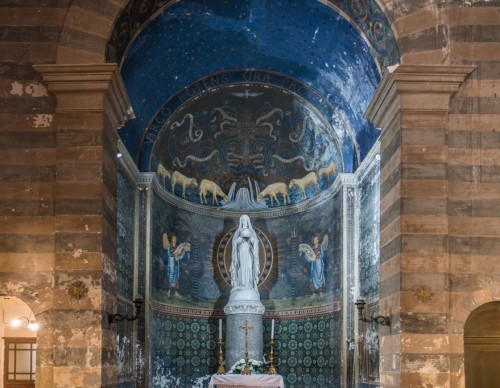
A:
(379, 319)
(32, 325)
(115, 318)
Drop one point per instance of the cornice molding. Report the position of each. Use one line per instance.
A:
(89, 87)
(421, 88)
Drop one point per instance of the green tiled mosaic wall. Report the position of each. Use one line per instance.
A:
(184, 351)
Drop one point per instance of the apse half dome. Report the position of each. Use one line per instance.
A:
(251, 105)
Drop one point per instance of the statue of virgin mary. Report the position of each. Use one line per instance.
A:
(245, 257)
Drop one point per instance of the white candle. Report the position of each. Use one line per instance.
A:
(272, 329)
(220, 328)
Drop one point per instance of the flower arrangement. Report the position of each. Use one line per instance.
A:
(254, 365)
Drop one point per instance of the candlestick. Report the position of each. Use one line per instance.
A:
(272, 329)
(221, 370)
(272, 370)
(220, 328)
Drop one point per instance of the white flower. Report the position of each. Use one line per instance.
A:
(254, 365)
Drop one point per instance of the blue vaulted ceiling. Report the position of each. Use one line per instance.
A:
(335, 48)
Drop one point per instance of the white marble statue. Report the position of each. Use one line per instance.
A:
(245, 257)
(244, 306)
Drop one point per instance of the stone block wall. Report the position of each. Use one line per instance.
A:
(27, 235)
(438, 192)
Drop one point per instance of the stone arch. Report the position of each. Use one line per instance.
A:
(482, 346)
(87, 29)
(12, 309)
(27, 291)
(365, 16)
(18, 299)
(470, 302)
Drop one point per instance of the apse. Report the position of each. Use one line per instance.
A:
(250, 107)
(309, 44)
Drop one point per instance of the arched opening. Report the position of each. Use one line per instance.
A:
(482, 346)
(231, 118)
(18, 330)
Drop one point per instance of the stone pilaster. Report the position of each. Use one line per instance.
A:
(91, 105)
(411, 107)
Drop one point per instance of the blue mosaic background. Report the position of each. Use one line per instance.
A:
(125, 276)
(305, 40)
(125, 214)
(201, 285)
(366, 15)
(369, 234)
(369, 274)
(184, 352)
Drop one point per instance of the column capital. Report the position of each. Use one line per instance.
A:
(415, 88)
(88, 87)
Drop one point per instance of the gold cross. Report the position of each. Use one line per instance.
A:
(246, 370)
(246, 328)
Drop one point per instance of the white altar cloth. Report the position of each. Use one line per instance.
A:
(249, 381)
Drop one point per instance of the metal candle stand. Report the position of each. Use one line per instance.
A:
(272, 370)
(221, 370)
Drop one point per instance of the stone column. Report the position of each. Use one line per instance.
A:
(238, 314)
(411, 107)
(77, 344)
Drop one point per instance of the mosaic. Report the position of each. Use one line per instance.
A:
(302, 295)
(307, 353)
(369, 348)
(184, 351)
(366, 14)
(125, 215)
(333, 52)
(308, 41)
(369, 240)
(249, 145)
(196, 280)
(369, 268)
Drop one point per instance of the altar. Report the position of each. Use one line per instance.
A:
(248, 381)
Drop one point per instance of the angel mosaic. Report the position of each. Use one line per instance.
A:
(171, 255)
(316, 256)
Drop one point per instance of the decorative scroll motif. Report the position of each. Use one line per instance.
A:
(77, 290)
(424, 294)
(294, 137)
(247, 141)
(307, 166)
(226, 120)
(323, 310)
(261, 121)
(198, 133)
(178, 162)
(241, 309)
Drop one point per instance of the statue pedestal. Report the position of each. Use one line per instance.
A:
(243, 306)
